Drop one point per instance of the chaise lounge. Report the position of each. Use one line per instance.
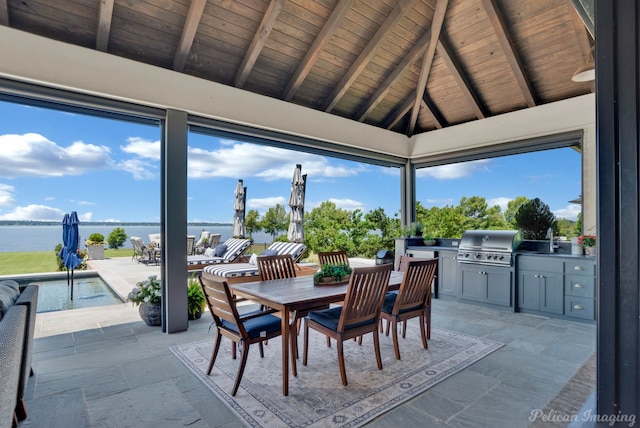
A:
(245, 272)
(230, 251)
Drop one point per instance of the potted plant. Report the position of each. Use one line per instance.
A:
(588, 242)
(332, 274)
(428, 240)
(147, 295)
(195, 298)
(95, 246)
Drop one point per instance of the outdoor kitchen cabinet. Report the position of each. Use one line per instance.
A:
(448, 273)
(486, 284)
(541, 284)
(580, 289)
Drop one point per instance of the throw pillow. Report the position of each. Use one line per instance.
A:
(210, 252)
(220, 250)
(9, 293)
(269, 253)
(254, 259)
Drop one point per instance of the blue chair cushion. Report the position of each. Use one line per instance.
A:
(220, 250)
(330, 317)
(390, 300)
(254, 326)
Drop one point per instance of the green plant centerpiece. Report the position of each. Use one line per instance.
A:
(95, 246)
(332, 274)
(195, 298)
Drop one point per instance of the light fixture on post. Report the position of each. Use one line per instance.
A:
(586, 72)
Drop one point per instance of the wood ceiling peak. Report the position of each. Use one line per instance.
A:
(104, 24)
(191, 24)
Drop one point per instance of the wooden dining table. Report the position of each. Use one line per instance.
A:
(296, 294)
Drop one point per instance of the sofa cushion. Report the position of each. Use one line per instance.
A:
(9, 293)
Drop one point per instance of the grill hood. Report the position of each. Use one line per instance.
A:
(506, 241)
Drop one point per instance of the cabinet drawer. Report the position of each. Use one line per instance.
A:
(580, 286)
(579, 307)
(540, 264)
(580, 267)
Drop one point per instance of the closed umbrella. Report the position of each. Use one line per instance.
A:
(239, 208)
(296, 203)
(69, 253)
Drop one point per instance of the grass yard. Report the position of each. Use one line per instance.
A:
(41, 261)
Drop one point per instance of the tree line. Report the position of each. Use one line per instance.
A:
(329, 228)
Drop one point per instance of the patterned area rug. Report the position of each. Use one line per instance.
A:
(317, 397)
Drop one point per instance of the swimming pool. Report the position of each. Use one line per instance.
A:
(88, 291)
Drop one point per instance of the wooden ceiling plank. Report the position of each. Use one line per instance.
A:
(259, 39)
(4, 13)
(399, 113)
(582, 33)
(368, 53)
(508, 47)
(436, 27)
(410, 59)
(460, 77)
(188, 33)
(104, 24)
(316, 48)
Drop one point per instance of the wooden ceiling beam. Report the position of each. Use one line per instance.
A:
(460, 77)
(404, 108)
(434, 111)
(259, 39)
(399, 113)
(582, 33)
(104, 25)
(188, 33)
(368, 53)
(436, 27)
(411, 57)
(509, 49)
(316, 48)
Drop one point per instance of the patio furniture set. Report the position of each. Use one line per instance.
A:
(151, 253)
(370, 295)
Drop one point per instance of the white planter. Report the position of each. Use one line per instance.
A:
(95, 252)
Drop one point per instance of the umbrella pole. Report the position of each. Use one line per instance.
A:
(71, 284)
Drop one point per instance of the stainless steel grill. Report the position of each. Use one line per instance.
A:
(489, 247)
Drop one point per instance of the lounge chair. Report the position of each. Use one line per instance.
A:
(245, 272)
(154, 238)
(191, 241)
(231, 251)
(142, 253)
(212, 239)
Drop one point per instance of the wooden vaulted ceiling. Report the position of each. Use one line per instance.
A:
(406, 65)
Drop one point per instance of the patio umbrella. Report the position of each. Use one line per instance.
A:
(296, 203)
(239, 207)
(69, 252)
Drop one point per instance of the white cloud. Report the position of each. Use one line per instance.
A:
(439, 202)
(348, 204)
(6, 195)
(266, 203)
(570, 212)
(34, 212)
(142, 148)
(453, 171)
(33, 155)
(112, 220)
(139, 168)
(85, 203)
(502, 202)
(243, 160)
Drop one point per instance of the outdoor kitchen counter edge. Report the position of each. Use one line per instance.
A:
(517, 253)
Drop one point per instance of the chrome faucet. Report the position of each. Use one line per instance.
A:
(550, 237)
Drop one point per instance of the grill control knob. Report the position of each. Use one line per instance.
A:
(477, 256)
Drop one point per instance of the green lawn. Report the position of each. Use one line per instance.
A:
(41, 261)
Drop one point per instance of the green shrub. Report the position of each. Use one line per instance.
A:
(116, 238)
(95, 239)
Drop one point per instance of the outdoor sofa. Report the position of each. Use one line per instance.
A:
(18, 306)
(245, 272)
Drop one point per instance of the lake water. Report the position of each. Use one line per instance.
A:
(45, 238)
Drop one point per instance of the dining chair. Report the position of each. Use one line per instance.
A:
(250, 328)
(402, 266)
(282, 267)
(359, 314)
(333, 258)
(411, 299)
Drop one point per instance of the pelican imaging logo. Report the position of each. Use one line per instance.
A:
(586, 416)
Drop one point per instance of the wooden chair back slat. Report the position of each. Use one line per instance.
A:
(221, 303)
(365, 295)
(416, 283)
(276, 267)
(333, 258)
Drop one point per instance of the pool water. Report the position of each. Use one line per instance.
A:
(55, 295)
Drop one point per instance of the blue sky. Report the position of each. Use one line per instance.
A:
(53, 162)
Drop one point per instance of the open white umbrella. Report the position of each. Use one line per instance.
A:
(239, 207)
(296, 203)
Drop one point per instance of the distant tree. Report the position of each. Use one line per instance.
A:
(275, 220)
(446, 222)
(534, 218)
(566, 228)
(512, 208)
(578, 225)
(116, 238)
(326, 229)
(252, 222)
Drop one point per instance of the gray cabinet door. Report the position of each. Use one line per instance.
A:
(486, 284)
(528, 290)
(499, 286)
(448, 273)
(541, 291)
